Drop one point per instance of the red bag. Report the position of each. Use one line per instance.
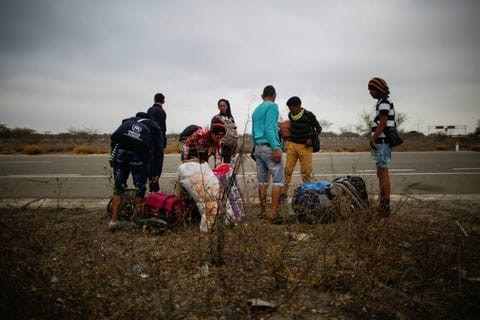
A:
(165, 206)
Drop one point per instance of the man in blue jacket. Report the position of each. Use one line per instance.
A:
(158, 114)
(268, 152)
(135, 150)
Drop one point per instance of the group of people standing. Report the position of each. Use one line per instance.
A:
(139, 143)
(138, 147)
(303, 125)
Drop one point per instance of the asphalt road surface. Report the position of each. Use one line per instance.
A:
(88, 176)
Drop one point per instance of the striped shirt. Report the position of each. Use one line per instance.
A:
(384, 106)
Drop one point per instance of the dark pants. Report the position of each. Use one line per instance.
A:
(161, 156)
(227, 154)
(134, 162)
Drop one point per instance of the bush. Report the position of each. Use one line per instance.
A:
(475, 147)
(55, 148)
(32, 149)
(103, 150)
(172, 148)
(84, 149)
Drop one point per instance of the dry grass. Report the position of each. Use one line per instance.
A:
(476, 147)
(86, 149)
(33, 149)
(421, 263)
(173, 148)
(328, 143)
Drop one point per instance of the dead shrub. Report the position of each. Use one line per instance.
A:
(33, 149)
(414, 265)
(441, 147)
(172, 148)
(103, 150)
(475, 147)
(70, 147)
(84, 149)
(56, 148)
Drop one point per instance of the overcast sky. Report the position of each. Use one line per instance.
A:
(88, 64)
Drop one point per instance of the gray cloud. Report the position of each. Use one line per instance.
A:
(88, 64)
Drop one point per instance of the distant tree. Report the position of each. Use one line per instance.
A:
(347, 128)
(3, 130)
(477, 129)
(17, 133)
(324, 124)
(85, 134)
(365, 124)
(413, 133)
(348, 134)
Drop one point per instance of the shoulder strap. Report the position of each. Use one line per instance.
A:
(312, 119)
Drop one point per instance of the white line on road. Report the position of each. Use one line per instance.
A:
(391, 170)
(53, 175)
(25, 161)
(465, 169)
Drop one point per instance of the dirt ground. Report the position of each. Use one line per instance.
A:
(420, 263)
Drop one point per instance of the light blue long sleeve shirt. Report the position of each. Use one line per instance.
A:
(265, 124)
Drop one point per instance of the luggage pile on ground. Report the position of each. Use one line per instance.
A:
(201, 193)
(325, 201)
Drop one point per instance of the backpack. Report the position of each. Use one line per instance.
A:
(315, 143)
(315, 137)
(328, 202)
(166, 207)
(231, 135)
(355, 188)
(161, 211)
(133, 134)
(391, 133)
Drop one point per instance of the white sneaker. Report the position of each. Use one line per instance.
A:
(114, 226)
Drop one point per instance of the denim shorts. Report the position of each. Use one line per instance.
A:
(382, 155)
(266, 165)
(126, 162)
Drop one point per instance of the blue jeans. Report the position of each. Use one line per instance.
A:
(382, 155)
(126, 162)
(266, 166)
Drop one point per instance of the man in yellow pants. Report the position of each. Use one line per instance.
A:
(303, 126)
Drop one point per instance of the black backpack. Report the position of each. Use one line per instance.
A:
(133, 134)
(315, 137)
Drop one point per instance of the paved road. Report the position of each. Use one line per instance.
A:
(74, 176)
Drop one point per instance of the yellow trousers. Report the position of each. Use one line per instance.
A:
(298, 152)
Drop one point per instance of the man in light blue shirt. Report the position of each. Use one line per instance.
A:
(268, 152)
